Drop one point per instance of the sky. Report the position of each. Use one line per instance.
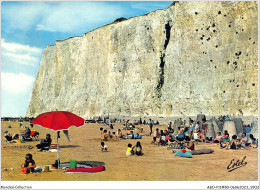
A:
(28, 27)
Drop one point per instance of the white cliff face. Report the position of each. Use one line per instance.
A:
(190, 58)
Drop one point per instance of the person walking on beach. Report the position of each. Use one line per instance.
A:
(151, 126)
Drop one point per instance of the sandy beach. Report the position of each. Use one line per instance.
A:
(157, 163)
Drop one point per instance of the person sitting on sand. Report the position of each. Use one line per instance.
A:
(218, 138)
(11, 139)
(103, 147)
(154, 141)
(27, 134)
(137, 149)
(130, 135)
(250, 140)
(129, 151)
(29, 163)
(45, 143)
(225, 141)
(101, 130)
(254, 143)
(104, 136)
(233, 143)
(119, 134)
(198, 137)
(190, 144)
(244, 140)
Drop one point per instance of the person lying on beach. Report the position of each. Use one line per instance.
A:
(218, 138)
(104, 136)
(129, 150)
(45, 143)
(103, 147)
(29, 163)
(225, 141)
(137, 149)
(11, 139)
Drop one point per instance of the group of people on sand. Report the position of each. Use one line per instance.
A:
(236, 142)
(135, 150)
(16, 138)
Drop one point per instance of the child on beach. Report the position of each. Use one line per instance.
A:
(129, 150)
(154, 141)
(104, 136)
(138, 149)
(101, 130)
(29, 163)
(103, 147)
(197, 126)
(120, 134)
(233, 143)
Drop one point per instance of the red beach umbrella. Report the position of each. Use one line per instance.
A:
(58, 121)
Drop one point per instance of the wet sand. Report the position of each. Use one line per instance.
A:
(157, 163)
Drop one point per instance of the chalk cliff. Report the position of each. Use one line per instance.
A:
(190, 58)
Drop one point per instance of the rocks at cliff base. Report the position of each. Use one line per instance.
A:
(239, 126)
(200, 117)
(218, 126)
(211, 130)
(230, 127)
(254, 129)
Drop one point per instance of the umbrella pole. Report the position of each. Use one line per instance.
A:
(58, 150)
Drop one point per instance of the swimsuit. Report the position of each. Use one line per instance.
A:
(204, 126)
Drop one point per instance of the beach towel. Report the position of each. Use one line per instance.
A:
(183, 153)
(136, 136)
(202, 151)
